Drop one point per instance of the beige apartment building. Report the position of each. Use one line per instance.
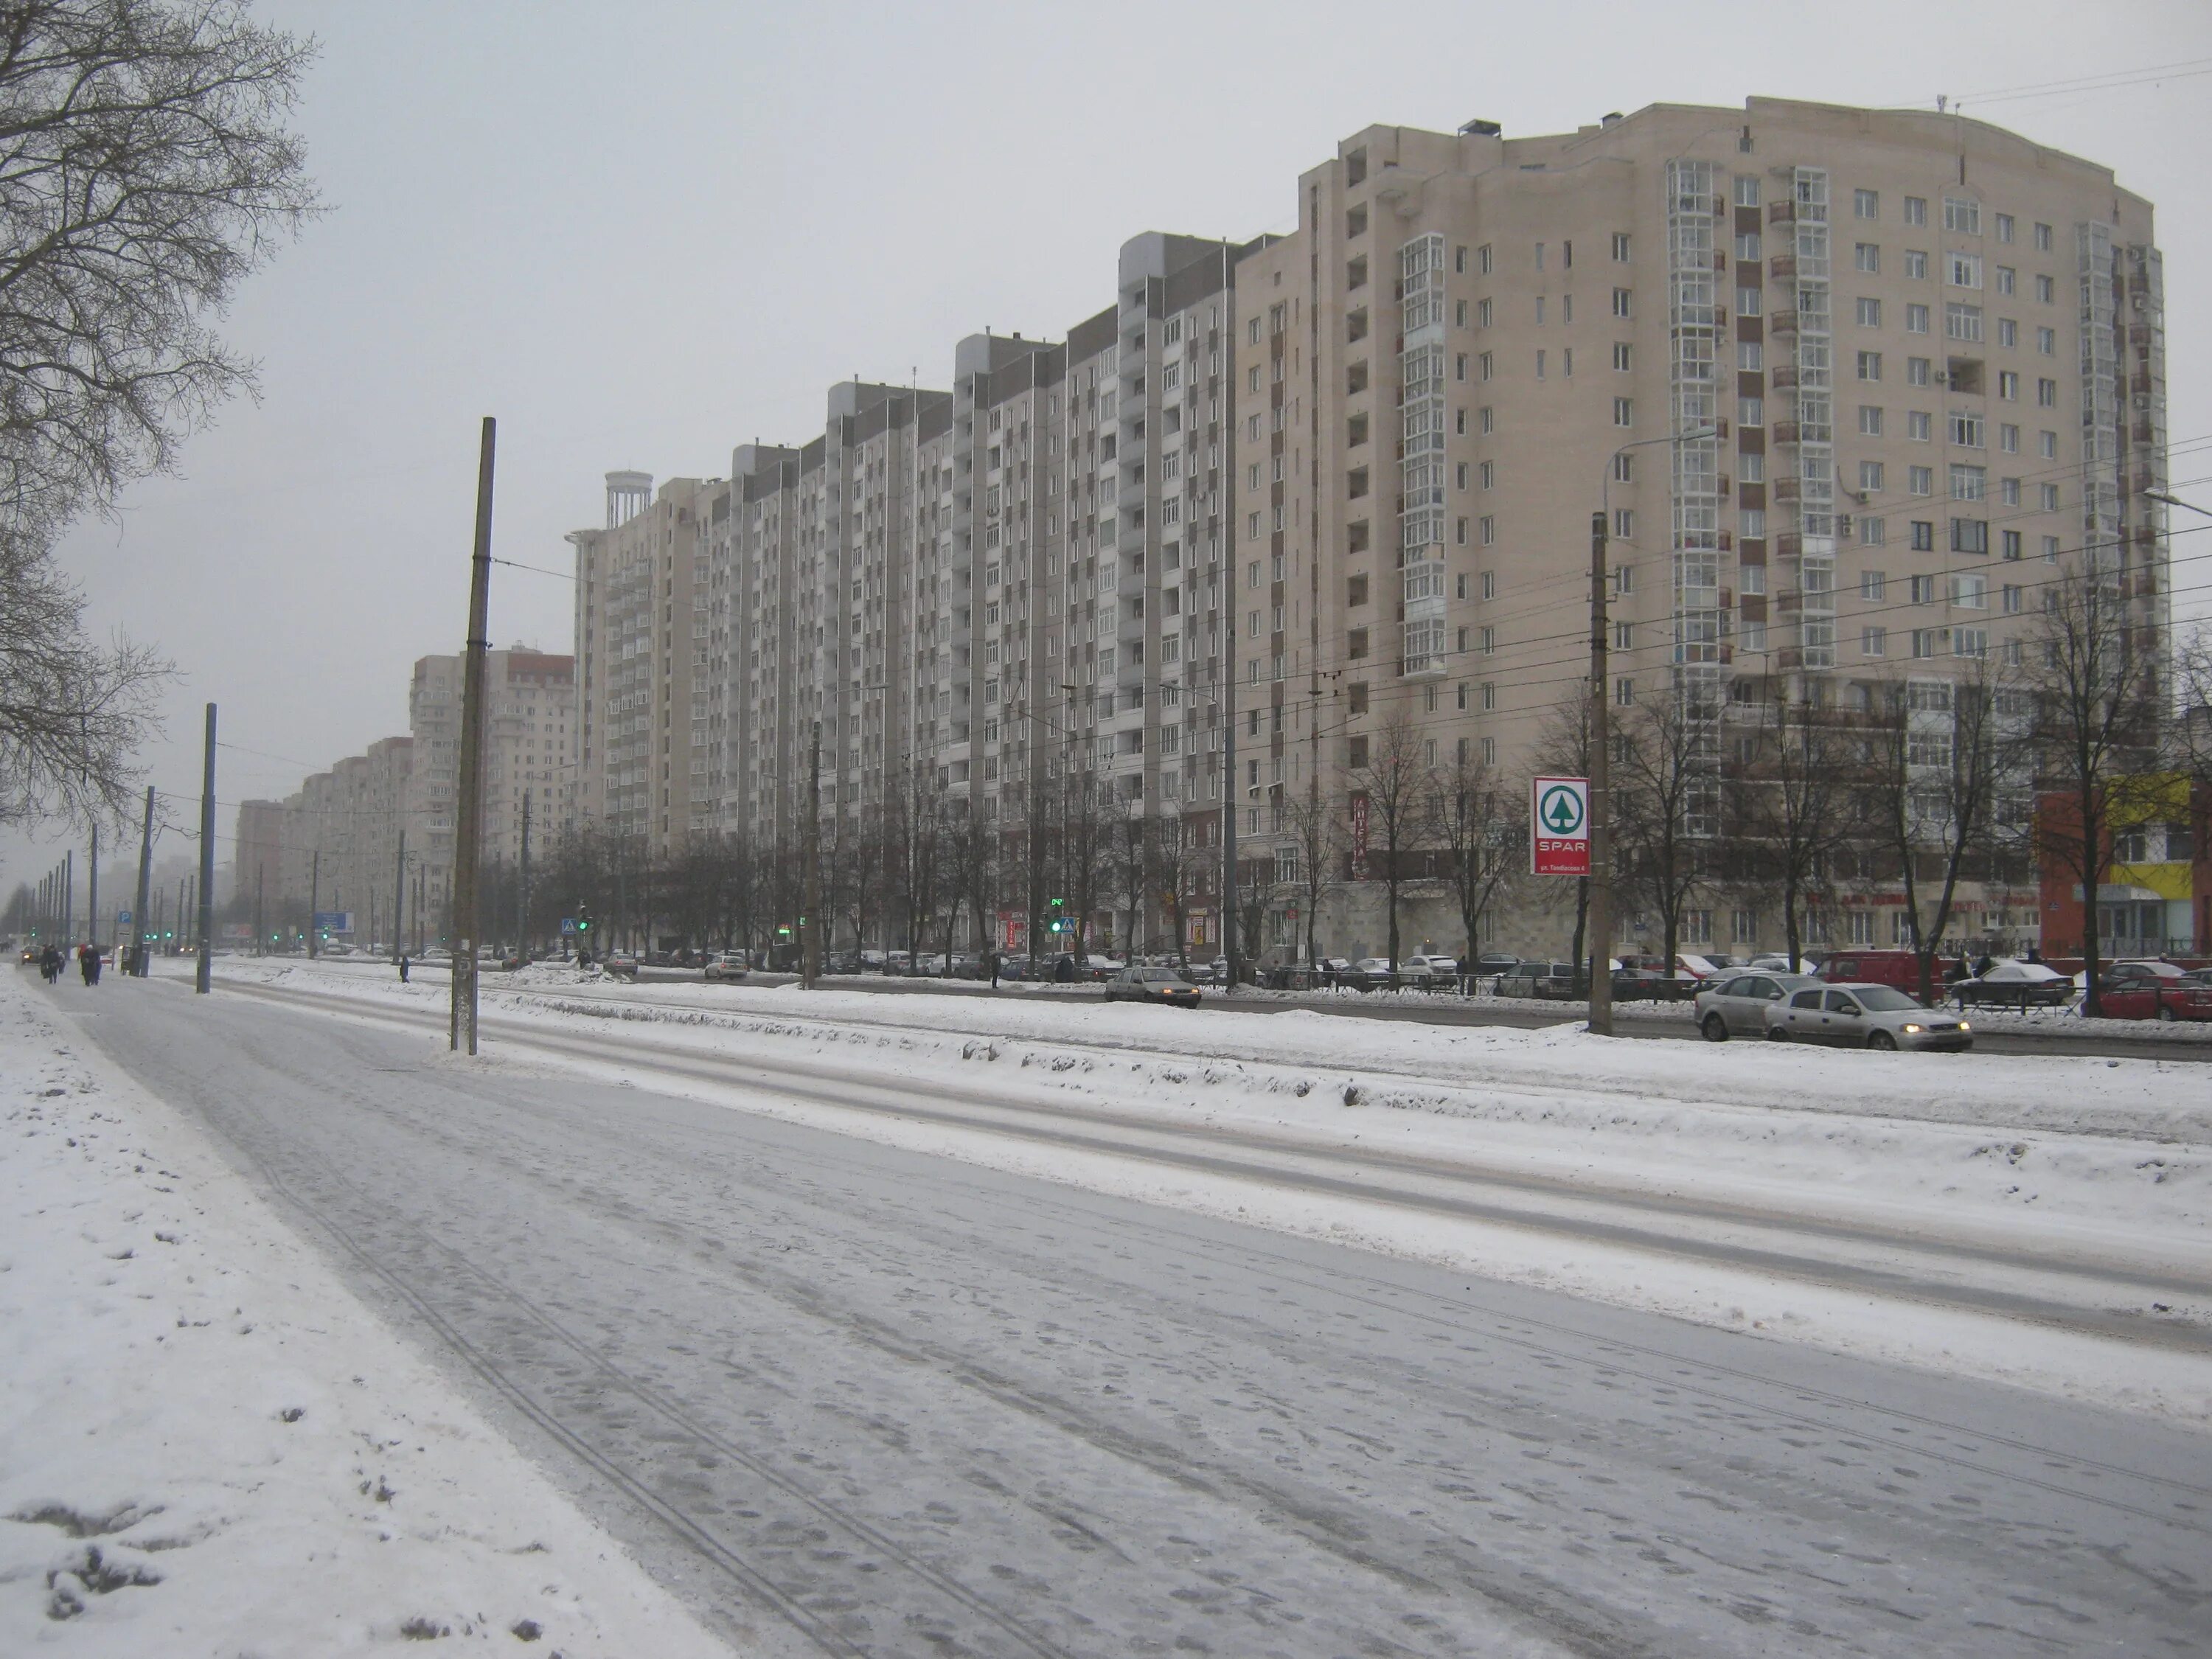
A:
(1851, 389)
(1929, 355)
(642, 619)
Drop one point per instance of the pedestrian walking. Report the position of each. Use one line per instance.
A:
(403, 968)
(993, 955)
(88, 964)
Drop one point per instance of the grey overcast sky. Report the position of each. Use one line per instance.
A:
(640, 232)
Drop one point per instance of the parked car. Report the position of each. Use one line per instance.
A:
(1548, 981)
(1898, 969)
(1777, 962)
(1373, 973)
(1698, 968)
(622, 965)
(2015, 985)
(2189, 997)
(2136, 990)
(1861, 1015)
(1643, 985)
(1492, 963)
(1152, 985)
(1737, 1005)
(1436, 970)
(728, 965)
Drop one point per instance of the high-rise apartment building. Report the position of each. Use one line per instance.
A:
(643, 622)
(1853, 390)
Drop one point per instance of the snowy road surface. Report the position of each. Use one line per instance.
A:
(850, 1399)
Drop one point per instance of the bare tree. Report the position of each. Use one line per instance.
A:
(1662, 764)
(2096, 691)
(1796, 806)
(1316, 837)
(73, 710)
(1480, 830)
(1945, 774)
(147, 171)
(1393, 779)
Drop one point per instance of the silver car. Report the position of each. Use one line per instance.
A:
(1860, 1016)
(1735, 1004)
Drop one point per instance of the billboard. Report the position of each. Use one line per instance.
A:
(334, 921)
(1559, 826)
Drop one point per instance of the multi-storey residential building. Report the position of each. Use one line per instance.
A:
(1852, 392)
(643, 618)
(1852, 387)
(530, 721)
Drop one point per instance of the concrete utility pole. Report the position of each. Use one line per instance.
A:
(809, 859)
(260, 932)
(92, 891)
(205, 925)
(1601, 800)
(468, 822)
(145, 873)
(68, 894)
(522, 895)
(314, 902)
(399, 899)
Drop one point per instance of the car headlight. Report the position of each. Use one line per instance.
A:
(1911, 1030)
(1964, 1026)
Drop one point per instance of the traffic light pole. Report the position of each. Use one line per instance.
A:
(468, 822)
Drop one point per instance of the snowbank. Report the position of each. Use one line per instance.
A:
(208, 1446)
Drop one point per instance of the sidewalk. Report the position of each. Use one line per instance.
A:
(208, 1446)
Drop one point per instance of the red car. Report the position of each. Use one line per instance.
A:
(2153, 990)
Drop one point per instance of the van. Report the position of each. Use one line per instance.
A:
(1900, 970)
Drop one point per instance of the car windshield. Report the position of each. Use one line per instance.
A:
(1881, 999)
(1162, 976)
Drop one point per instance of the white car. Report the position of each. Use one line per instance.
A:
(1438, 969)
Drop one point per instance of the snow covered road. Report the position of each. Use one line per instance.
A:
(848, 1397)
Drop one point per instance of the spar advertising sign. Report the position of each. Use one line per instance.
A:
(1559, 826)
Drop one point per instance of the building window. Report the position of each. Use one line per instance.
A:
(1623, 523)
(1873, 584)
(1916, 319)
(1870, 476)
(1746, 190)
(1870, 365)
(1873, 532)
(1916, 209)
(2046, 291)
(2050, 494)
(2012, 545)
(2046, 445)
(1924, 529)
(1623, 357)
(1966, 428)
(1750, 356)
(1624, 412)
(1623, 303)
(1869, 313)
(1969, 536)
(2008, 386)
(1620, 247)
(2043, 238)
(2046, 342)
(1867, 204)
(1962, 322)
(2046, 394)
(1869, 421)
(1486, 530)
(1867, 256)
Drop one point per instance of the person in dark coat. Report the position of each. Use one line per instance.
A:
(88, 963)
(403, 968)
(1063, 971)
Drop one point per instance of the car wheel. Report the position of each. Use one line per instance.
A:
(1881, 1040)
(1776, 1034)
(1716, 1028)
(2167, 1014)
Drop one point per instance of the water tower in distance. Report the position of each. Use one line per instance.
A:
(629, 494)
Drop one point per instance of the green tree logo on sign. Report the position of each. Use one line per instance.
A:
(1561, 811)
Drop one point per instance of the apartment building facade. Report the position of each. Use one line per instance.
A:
(1853, 391)
(1852, 388)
